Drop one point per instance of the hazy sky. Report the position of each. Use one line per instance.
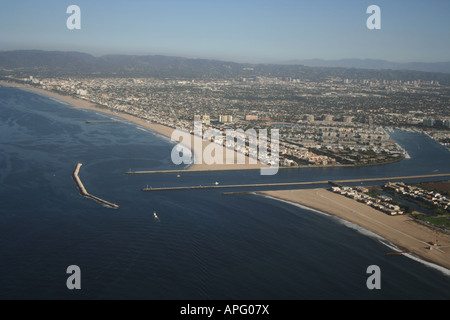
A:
(243, 31)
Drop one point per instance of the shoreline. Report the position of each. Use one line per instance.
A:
(402, 231)
(163, 130)
(79, 103)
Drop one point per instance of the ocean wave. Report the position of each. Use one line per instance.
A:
(428, 264)
(159, 135)
(341, 221)
(143, 129)
(296, 205)
(367, 233)
(59, 101)
(363, 231)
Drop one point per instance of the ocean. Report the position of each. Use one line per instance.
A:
(204, 245)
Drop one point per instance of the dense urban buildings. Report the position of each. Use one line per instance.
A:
(333, 122)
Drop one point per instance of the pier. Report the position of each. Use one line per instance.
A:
(281, 184)
(83, 191)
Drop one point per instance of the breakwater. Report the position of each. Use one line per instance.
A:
(83, 191)
(298, 183)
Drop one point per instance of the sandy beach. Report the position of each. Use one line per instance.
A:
(401, 230)
(158, 128)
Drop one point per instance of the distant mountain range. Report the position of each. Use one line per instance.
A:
(77, 63)
(59, 63)
(376, 64)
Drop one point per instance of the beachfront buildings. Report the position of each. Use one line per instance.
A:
(435, 199)
(381, 203)
(332, 122)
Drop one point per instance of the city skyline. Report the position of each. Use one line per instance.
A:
(254, 32)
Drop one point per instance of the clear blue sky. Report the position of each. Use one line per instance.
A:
(243, 31)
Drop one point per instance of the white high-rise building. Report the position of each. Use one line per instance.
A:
(225, 118)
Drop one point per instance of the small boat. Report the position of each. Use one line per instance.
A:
(178, 176)
(216, 183)
(155, 215)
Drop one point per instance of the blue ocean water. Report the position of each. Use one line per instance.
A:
(205, 245)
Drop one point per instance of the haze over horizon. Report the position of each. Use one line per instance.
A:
(251, 31)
